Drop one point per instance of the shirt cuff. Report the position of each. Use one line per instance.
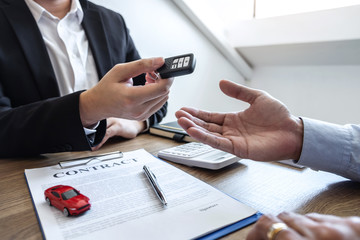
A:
(92, 130)
(326, 147)
(147, 126)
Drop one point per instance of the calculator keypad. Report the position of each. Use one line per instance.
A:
(198, 154)
(189, 150)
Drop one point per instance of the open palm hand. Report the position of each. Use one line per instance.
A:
(266, 131)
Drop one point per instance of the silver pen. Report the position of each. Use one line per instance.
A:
(153, 181)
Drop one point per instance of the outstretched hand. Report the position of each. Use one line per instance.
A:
(266, 131)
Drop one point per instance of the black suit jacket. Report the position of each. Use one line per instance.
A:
(33, 118)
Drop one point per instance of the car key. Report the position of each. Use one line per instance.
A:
(177, 66)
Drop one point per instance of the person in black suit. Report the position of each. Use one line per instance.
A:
(36, 118)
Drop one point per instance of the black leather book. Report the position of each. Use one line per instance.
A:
(171, 130)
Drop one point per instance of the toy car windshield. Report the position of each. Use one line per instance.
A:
(70, 194)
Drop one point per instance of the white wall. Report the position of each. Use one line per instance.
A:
(329, 93)
(158, 28)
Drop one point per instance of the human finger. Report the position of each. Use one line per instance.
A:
(323, 227)
(206, 126)
(322, 218)
(239, 92)
(108, 134)
(298, 222)
(103, 141)
(185, 120)
(155, 106)
(261, 227)
(151, 77)
(213, 139)
(264, 228)
(144, 110)
(157, 89)
(205, 116)
(331, 219)
(128, 70)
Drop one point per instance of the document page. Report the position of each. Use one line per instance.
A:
(125, 206)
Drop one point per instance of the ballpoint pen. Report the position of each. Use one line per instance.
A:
(153, 181)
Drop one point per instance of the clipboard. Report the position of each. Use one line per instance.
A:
(197, 202)
(232, 228)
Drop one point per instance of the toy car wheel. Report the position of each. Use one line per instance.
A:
(66, 212)
(48, 201)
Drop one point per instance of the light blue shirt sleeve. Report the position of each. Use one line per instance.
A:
(332, 148)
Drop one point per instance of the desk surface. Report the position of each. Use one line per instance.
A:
(267, 187)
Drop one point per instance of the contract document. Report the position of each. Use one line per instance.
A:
(124, 205)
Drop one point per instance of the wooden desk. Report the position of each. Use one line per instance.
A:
(267, 187)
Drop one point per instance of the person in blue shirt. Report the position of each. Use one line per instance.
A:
(267, 131)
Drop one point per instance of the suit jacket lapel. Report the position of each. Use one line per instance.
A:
(35, 51)
(96, 35)
(33, 47)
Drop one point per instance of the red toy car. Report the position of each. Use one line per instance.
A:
(67, 199)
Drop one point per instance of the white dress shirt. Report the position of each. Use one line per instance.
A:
(68, 48)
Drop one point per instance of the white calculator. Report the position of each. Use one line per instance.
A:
(198, 155)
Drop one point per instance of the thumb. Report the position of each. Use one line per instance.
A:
(125, 71)
(238, 91)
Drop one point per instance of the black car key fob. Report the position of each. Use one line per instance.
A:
(177, 66)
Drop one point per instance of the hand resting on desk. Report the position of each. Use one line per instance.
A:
(121, 127)
(309, 226)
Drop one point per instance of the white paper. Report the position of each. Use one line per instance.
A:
(124, 205)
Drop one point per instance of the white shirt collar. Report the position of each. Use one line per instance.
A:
(38, 11)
